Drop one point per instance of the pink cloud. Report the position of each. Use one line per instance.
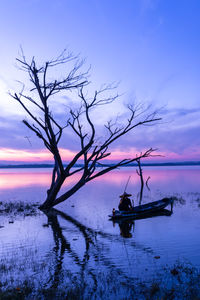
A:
(9, 154)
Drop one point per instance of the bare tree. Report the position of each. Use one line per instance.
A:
(46, 126)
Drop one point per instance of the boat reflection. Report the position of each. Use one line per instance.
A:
(127, 225)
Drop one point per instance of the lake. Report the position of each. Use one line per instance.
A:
(76, 243)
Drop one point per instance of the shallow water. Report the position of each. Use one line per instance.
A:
(78, 239)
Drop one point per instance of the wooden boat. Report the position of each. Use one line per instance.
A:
(142, 210)
(159, 213)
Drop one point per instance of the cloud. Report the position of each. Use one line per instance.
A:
(182, 118)
(180, 111)
(9, 107)
(9, 154)
(180, 142)
(177, 135)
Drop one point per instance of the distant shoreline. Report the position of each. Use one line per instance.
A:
(166, 164)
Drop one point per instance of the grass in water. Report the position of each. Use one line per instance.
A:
(183, 284)
(18, 208)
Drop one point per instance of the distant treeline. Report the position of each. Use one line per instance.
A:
(35, 166)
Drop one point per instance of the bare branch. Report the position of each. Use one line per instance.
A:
(16, 97)
(123, 162)
(38, 133)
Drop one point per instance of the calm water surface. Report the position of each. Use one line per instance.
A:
(79, 239)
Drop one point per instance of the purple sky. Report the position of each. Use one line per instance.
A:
(152, 47)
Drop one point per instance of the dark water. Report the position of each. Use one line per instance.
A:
(78, 239)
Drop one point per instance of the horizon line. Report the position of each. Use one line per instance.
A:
(50, 165)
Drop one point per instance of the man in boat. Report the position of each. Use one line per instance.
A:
(125, 202)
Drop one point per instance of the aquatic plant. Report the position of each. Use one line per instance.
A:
(18, 208)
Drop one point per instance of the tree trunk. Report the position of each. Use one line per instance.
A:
(70, 192)
(52, 199)
(52, 193)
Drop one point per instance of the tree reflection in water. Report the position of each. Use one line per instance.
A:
(62, 246)
(95, 247)
(80, 260)
(95, 257)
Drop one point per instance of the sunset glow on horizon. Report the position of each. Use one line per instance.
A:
(31, 178)
(44, 156)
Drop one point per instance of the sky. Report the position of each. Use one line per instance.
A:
(152, 47)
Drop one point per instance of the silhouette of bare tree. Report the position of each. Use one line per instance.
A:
(48, 128)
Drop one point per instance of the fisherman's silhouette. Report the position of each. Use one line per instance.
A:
(125, 202)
